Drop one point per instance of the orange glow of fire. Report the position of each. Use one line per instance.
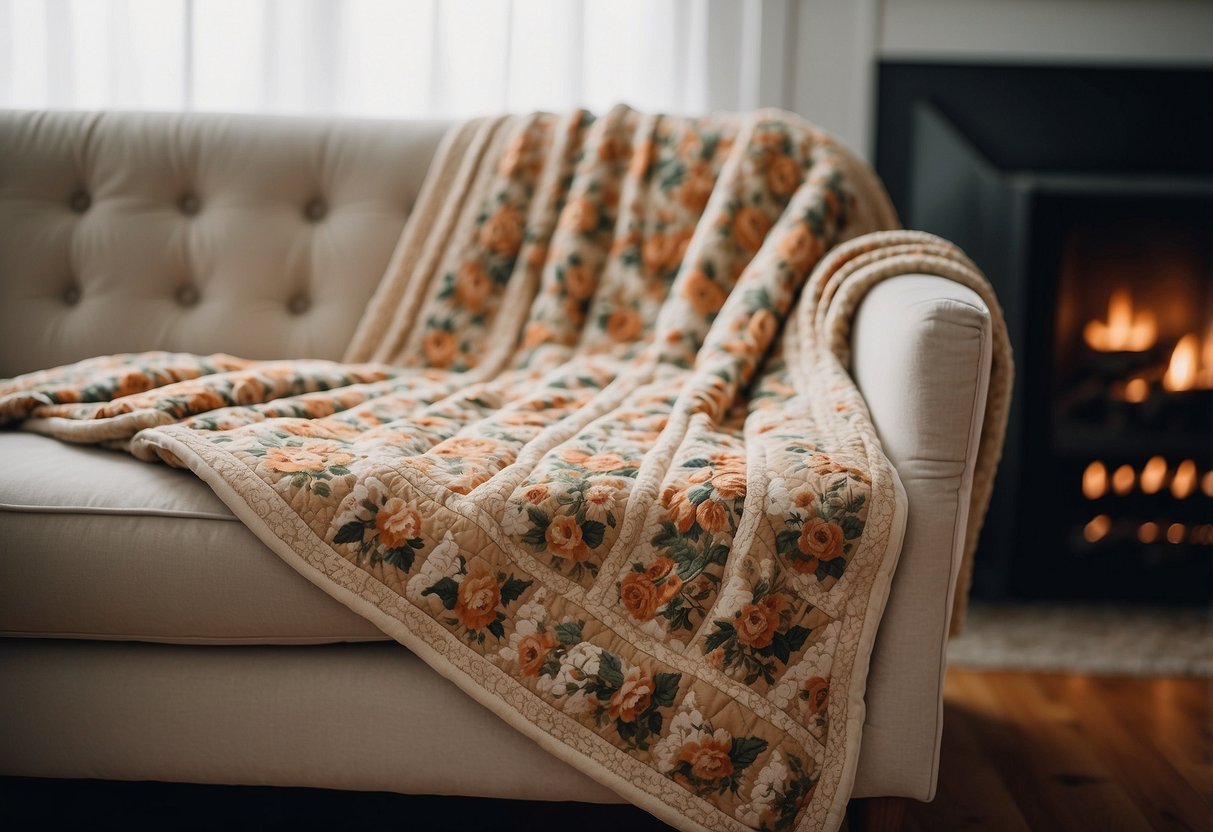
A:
(1153, 475)
(1094, 480)
(1181, 371)
(1184, 482)
(1125, 330)
(1191, 364)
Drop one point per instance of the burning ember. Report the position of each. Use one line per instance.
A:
(1125, 330)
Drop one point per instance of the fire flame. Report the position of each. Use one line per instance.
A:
(1181, 371)
(1191, 364)
(1125, 331)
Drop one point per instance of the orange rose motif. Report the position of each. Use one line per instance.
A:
(799, 247)
(310, 459)
(662, 252)
(536, 333)
(639, 596)
(533, 652)
(658, 569)
(613, 149)
(472, 286)
(564, 537)
(670, 587)
(131, 383)
(465, 447)
(633, 696)
(502, 232)
(624, 324)
(821, 539)
(783, 175)
(397, 523)
(776, 602)
(756, 625)
(816, 694)
(703, 293)
(248, 390)
(535, 494)
(696, 189)
(682, 511)
(579, 215)
(750, 227)
(579, 281)
(604, 462)
(762, 327)
(709, 760)
(712, 516)
(479, 594)
(729, 484)
(439, 347)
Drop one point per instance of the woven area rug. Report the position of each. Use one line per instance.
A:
(1103, 640)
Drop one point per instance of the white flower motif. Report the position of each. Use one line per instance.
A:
(443, 562)
(370, 490)
(577, 666)
(534, 609)
(779, 498)
(766, 790)
(599, 500)
(686, 726)
(523, 628)
(816, 661)
(515, 521)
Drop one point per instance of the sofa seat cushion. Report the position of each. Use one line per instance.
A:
(95, 544)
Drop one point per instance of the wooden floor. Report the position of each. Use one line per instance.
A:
(1028, 751)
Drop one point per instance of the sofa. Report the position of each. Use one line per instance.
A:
(147, 634)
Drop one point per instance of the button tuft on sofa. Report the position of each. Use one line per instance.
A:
(187, 296)
(189, 204)
(299, 304)
(315, 210)
(80, 202)
(71, 295)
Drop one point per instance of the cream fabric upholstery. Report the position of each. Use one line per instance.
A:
(357, 716)
(132, 550)
(256, 236)
(103, 546)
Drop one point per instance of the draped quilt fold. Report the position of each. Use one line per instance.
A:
(593, 453)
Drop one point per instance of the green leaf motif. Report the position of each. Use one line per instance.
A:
(569, 632)
(724, 632)
(447, 590)
(665, 687)
(745, 750)
(610, 669)
(512, 590)
(351, 532)
(592, 532)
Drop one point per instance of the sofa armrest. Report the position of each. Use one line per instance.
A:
(921, 355)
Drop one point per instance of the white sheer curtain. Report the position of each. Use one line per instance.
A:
(394, 58)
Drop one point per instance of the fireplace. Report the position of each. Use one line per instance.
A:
(1096, 226)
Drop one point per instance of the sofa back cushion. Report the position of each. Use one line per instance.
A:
(257, 236)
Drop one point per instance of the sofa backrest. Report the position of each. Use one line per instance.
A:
(257, 236)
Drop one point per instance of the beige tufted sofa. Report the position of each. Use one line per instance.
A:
(147, 634)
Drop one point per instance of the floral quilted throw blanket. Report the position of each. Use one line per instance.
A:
(593, 453)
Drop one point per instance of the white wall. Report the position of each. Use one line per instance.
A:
(838, 44)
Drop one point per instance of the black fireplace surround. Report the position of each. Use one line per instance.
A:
(1076, 188)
